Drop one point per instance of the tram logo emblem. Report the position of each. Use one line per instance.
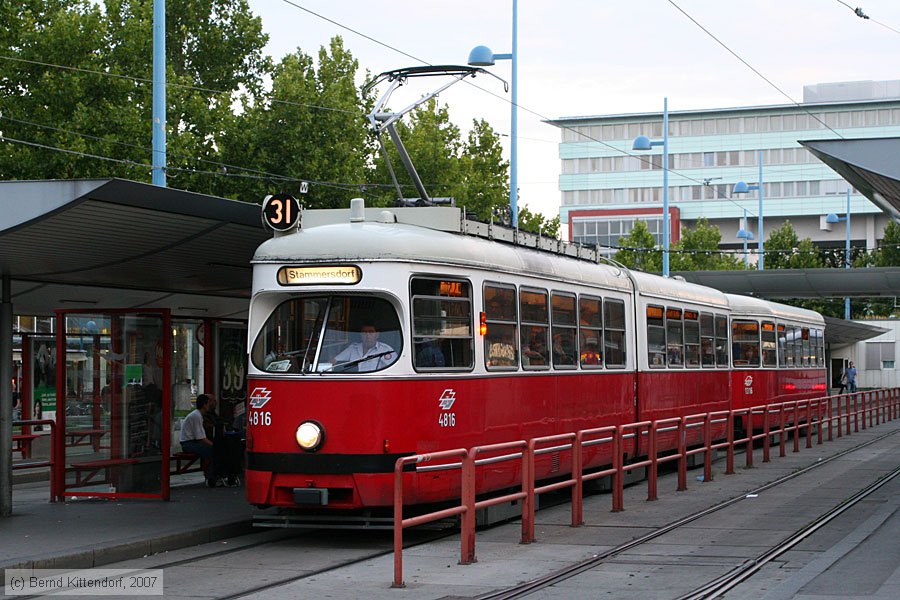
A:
(748, 381)
(259, 396)
(447, 399)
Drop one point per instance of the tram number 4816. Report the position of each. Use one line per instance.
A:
(447, 419)
(259, 417)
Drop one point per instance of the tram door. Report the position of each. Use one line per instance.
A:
(112, 403)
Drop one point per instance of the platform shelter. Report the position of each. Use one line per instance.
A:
(150, 289)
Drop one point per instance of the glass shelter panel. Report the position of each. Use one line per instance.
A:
(113, 417)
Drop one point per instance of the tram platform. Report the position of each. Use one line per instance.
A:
(86, 533)
(83, 533)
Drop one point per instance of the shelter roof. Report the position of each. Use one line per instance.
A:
(869, 164)
(802, 283)
(113, 243)
(810, 283)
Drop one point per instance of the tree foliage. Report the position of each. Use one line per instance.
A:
(295, 131)
(698, 250)
(101, 103)
(638, 250)
(76, 102)
(888, 255)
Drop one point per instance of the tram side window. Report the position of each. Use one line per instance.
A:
(820, 344)
(745, 339)
(442, 324)
(614, 332)
(564, 321)
(796, 347)
(806, 347)
(691, 338)
(782, 345)
(656, 337)
(769, 350)
(500, 346)
(721, 341)
(790, 336)
(590, 325)
(707, 341)
(674, 337)
(325, 334)
(535, 320)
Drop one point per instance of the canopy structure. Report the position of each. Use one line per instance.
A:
(869, 164)
(810, 283)
(802, 283)
(120, 244)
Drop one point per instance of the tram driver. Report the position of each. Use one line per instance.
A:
(382, 354)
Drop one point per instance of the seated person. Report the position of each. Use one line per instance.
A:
(535, 353)
(561, 345)
(674, 355)
(750, 356)
(382, 354)
(429, 354)
(194, 439)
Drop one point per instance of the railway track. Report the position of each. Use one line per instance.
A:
(733, 577)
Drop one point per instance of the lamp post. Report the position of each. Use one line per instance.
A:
(158, 175)
(481, 56)
(745, 234)
(642, 142)
(742, 188)
(833, 218)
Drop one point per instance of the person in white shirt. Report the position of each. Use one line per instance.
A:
(193, 439)
(382, 354)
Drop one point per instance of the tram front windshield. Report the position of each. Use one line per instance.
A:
(331, 334)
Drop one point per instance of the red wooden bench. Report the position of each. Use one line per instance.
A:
(185, 462)
(22, 443)
(86, 437)
(85, 472)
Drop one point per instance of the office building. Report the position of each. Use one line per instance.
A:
(606, 186)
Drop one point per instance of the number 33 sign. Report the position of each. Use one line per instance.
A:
(281, 212)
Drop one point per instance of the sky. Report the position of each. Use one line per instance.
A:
(599, 57)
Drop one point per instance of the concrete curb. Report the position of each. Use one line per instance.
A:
(99, 556)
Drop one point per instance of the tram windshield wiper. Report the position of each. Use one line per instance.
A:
(342, 367)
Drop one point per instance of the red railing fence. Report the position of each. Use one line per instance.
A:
(796, 417)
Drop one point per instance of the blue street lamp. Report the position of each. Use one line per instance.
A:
(833, 218)
(158, 140)
(642, 142)
(745, 234)
(481, 56)
(742, 188)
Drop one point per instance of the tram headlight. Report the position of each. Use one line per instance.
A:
(310, 436)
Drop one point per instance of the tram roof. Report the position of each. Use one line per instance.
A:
(371, 240)
(748, 305)
(654, 285)
(112, 243)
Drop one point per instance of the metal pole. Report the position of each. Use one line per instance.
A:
(847, 258)
(746, 258)
(514, 130)
(159, 93)
(665, 167)
(6, 319)
(760, 227)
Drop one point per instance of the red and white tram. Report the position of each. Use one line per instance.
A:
(376, 334)
(779, 353)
